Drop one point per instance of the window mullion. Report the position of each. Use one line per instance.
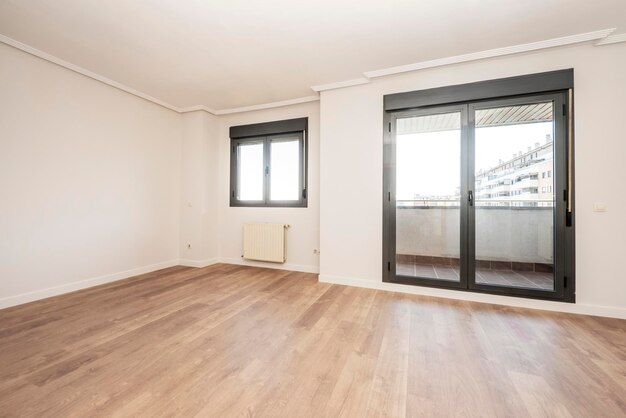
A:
(303, 168)
(267, 171)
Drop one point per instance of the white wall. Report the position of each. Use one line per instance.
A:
(199, 200)
(97, 184)
(303, 236)
(351, 177)
(89, 181)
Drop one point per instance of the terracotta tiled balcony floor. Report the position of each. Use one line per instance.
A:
(510, 278)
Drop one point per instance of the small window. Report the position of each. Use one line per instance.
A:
(269, 169)
(549, 173)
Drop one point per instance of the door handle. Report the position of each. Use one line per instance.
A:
(470, 198)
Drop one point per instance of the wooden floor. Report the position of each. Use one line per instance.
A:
(238, 341)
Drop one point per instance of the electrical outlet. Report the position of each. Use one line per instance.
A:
(316, 251)
(599, 207)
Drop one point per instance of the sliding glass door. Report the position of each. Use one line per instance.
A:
(517, 164)
(429, 215)
(475, 196)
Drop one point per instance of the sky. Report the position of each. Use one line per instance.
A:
(428, 164)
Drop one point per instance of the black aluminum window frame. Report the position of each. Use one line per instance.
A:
(557, 84)
(266, 133)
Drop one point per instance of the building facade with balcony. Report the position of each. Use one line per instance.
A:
(526, 180)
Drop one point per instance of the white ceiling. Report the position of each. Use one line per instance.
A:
(232, 53)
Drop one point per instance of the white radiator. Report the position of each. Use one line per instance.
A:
(264, 241)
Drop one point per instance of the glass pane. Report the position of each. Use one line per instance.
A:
(428, 193)
(514, 166)
(285, 169)
(250, 171)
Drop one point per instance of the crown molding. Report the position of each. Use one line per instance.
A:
(87, 73)
(612, 39)
(601, 37)
(268, 105)
(491, 53)
(340, 84)
(72, 67)
(198, 108)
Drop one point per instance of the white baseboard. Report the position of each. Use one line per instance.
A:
(575, 308)
(9, 301)
(198, 263)
(293, 267)
(81, 284)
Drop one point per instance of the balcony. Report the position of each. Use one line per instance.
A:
(527, 182)
(514, 244)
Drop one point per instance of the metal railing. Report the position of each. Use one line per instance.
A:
(480, 203)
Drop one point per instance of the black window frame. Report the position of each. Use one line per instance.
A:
(266, 133)
(558, 84)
